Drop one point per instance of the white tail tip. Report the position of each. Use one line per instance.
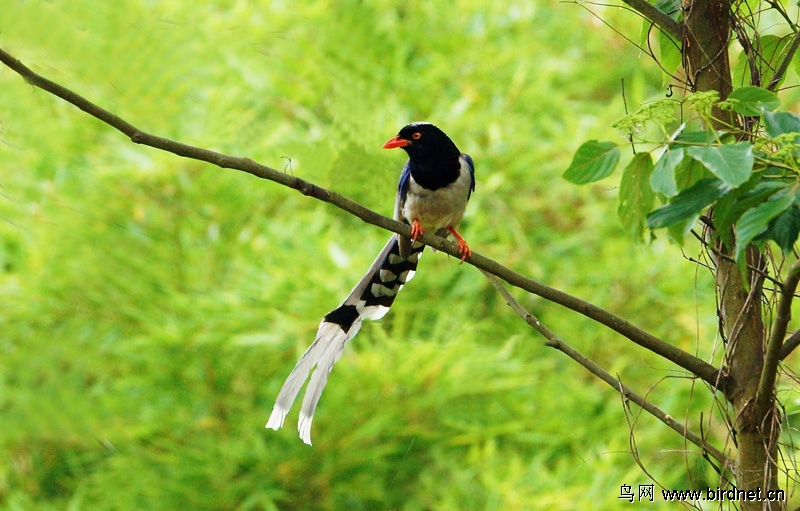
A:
(277, 417)
(304, 427)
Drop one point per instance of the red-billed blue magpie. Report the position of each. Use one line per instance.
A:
(434, 188)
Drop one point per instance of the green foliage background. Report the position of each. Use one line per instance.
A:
(152, 306)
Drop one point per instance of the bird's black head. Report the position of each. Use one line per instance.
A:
(424, 143)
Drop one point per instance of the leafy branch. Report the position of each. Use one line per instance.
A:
(751, 179)
(687, 361)
(744, 182)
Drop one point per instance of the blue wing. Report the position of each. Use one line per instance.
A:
(402, 186)
(471, 165)
(402, 193)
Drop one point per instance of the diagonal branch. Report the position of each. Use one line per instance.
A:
(694, 365)
(657, 16)
(791, 343)
(554, 341)
(650, 13)
(769, 370)
(784, 65)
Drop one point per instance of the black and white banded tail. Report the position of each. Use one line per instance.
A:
(370, 299)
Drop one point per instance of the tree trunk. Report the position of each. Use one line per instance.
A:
(707, 30)
(740, 313)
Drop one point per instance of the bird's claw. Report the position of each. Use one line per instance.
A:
(463, 249)
(416, 230)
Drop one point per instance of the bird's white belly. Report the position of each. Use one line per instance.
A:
(435, 209)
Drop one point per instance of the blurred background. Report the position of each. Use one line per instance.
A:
(152, 306)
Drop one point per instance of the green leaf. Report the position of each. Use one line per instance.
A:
(688, 203)
(698, 137)
(778, 123)
(785, 228)
(592, 162)
(733, 164)
(690, 171)
(635, 195)
(754, 221)
(772, 50)
(671, 8)
(730, 207)
(753, 100)
(678, 231)
(671, 56)
(663, 178)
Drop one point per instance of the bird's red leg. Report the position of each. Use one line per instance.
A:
(416, 230)
(463, 249)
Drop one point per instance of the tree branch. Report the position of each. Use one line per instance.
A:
(660, 18)
(784, 65)
(694, 365)
(554, 341)
(790, 344)
(700, 368)
(769, 370)
(775, 4)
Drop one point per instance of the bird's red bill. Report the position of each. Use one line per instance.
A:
(395, 142)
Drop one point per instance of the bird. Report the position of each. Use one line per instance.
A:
(435, 185)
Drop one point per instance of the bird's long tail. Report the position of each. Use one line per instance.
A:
(370, 299)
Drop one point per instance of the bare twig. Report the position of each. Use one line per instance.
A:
(554, 341)
(610, 26)
(778, 7)
(749, 51)
(695, 365)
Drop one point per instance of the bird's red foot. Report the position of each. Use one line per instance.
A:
(416, 230)
(463, 249)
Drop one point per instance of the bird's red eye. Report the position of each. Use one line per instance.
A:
(417, 135)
